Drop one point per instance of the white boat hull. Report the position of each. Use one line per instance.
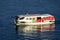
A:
(40, 23)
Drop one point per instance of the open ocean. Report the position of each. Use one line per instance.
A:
(11, 8)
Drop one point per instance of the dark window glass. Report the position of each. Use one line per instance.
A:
(33, 18)
(26, 18)
(30, 18)
(21, 18)
(38, 18)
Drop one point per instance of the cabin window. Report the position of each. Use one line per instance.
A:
(33, 18)
(30, 18)
(38, 18)
(26, 18)
(21, 18)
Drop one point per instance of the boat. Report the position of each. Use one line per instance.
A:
(34, 19)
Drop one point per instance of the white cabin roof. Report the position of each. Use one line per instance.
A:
(34, 15)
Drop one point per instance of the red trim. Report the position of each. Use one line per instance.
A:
(40, 20)
(45, 18)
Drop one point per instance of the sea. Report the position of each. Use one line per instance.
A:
(10, 8)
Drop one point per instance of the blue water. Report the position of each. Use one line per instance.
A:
(9, 32)
(11, 8)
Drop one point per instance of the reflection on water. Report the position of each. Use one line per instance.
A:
(36, 32)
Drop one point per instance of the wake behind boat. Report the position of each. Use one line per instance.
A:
(34, 19)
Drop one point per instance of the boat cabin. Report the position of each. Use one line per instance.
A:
(34, 18)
